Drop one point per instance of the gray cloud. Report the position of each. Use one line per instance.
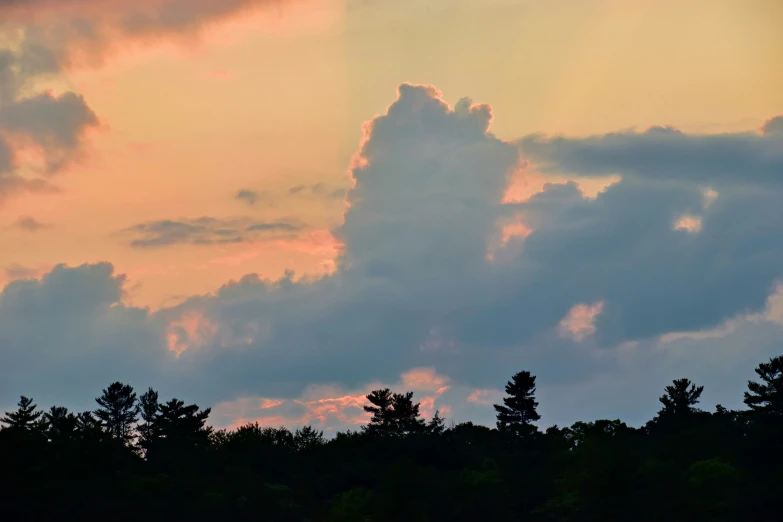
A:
(54, 29)
(414, 286)
(204, 231)
(317, 189)
(56, 124)
(30, 224)
(248, 196)
(773, 127)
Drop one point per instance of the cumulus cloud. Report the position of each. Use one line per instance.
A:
(414, 287)
(205, 231)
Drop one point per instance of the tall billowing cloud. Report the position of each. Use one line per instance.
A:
(588, 297)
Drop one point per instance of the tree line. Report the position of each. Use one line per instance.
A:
(139, 458)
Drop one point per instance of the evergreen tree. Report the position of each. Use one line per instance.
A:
(406, 418)
(767, 396)
(60, 424)
(180, 423)
(393, 413)
(437, 424)
(149, 408)
(681, 398)
(118, 411)
(26, 417)
(381, 408)
(518, 411)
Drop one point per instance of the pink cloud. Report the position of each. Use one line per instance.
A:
(485, 397)
(579, 323)
(191, 330)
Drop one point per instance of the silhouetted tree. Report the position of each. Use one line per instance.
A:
(767, 396)
(518, 411)
(681, 398)
(149, 408)
(381, 409)
(406, 418)
(437, 424)
(308, 438)
(60, 424)
(118, 411)
(393, 413)
(26, 417)
(184, 424)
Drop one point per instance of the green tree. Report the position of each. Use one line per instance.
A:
(518, 411)
(767, 396)
(681, 398)
(118, 411)
(26, 417)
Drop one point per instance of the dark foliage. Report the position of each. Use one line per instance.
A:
(143, 459)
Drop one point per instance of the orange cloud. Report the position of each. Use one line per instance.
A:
(688, 223)
(579, 323)
(527, 182)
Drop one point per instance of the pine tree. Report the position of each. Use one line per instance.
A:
(180, 423)
(380, 407)
(60, 424)
(393, 413)
(118, 411)
(681, 398)
(26, 417)
(406, 418)
(767, 396)
(150, 408)
(437, 424)
(518, 411)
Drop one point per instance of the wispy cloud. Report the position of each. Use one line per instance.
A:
(30, 224)
(206, 231)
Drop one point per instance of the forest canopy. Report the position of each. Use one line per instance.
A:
(138, 457)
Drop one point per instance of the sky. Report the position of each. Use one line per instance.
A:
(272, 207)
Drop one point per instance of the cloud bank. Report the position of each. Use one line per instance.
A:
(604, 297)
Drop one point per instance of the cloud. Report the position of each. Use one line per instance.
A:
(317, 189)
(580, 321)
(773, 127)
(248, 196)
(52, 127)
(205, 231)
(17, 271)
(57, 33)
(30, 224)
(414, 297)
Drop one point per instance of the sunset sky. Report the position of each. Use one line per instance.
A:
(272, 207)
